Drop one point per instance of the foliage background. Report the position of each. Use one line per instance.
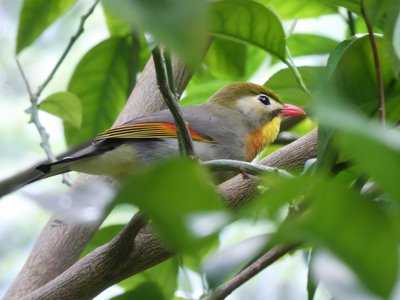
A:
(22, 219)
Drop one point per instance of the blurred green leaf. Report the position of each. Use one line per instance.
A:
(65, 105)
(248, 22)
(227, 59)
(310, 44)
(376, 9)
(355, 230)
(226, 262)
(101, 80)
(116, 25)
(102, 236)
(200, 92)
(177, 195)
(178, 24)
(352, 63)
(36, 16)
(146, 290)
(375, 150)
(312, 284)
(164, 275)
(392, 32)
(352, 5)
(300, 8)
(352, 227)
(285, 85)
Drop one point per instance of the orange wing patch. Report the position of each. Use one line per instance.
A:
(150, 130)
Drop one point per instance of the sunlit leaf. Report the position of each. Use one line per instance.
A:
(65, 105)
(248, 22)
(178, 24)
(177, 195)
(36, 16)
(101, 80)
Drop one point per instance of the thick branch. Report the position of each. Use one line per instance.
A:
(147, 250)
(61, 242)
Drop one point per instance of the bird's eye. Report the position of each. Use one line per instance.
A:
(264, 99)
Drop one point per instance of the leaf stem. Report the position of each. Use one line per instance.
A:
(350, 23)
(290, 63)
(183, 136)
(381, 90)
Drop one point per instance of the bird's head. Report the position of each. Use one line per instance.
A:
(260, 112)
(258, 103)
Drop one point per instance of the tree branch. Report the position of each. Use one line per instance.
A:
(379, 80)
(61, 242)
(101, 268)
(183, 135)
(256, 267)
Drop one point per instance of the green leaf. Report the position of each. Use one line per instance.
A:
(300, 8)
(101, 80)
(36, 16)
(356, 231)
(116, 25)
(227, 59)
(178, 196)
(146, 290)
(284, 84)
(352, 227)
(352, 5)
(248, 22)
(376, 151)
(65, 105)
(392, 32)
(226, 262)
(199, 93)
(353, 64)
(178, 24)
(310, 44)
(102, 236)
(164, 275)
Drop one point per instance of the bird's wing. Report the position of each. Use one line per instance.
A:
(148, 130)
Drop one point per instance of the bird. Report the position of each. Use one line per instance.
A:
(237, 123)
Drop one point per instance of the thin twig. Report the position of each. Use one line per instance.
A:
(170, 72)
(183, 136)
(67, 49)
(240, 166)
(290, 63)
(34, 97)
(350, 22)
(381, 90)
(256, 267)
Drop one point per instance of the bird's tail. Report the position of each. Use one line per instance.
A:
(42, 171)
